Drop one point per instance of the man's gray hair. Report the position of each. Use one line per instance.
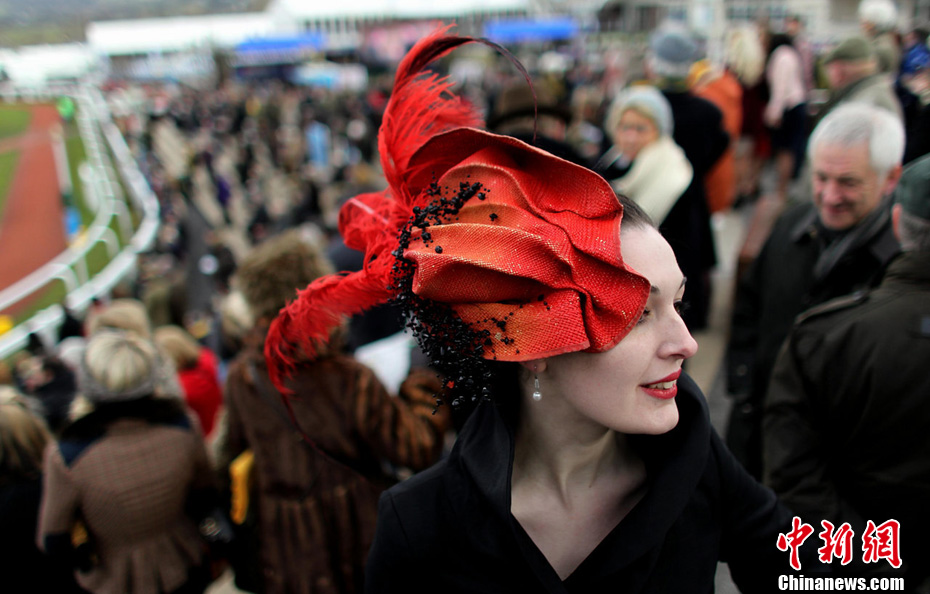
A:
(913, 232)
(881, 13)
(854, 123)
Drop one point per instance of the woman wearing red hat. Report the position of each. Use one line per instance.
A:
(588, 463)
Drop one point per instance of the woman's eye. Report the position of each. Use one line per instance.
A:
(643, 317)
(681, 306)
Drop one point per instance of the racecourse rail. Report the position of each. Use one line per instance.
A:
(104, 194)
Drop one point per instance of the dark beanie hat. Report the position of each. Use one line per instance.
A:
(913, 190)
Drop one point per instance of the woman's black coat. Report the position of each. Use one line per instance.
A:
(449, 529)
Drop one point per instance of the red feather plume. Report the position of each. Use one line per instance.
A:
(420, 107)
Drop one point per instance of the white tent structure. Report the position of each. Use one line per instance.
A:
(175, 34)
(35, 65)
(145, 36)
(344, 23)
(392, 9)
(153, 48)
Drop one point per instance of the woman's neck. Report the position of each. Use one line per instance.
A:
(573, 482)
(558, 454)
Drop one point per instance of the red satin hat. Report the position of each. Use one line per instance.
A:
(523, 246)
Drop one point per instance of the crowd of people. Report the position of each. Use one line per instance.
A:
(550, 248)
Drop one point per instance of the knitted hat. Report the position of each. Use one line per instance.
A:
(674, 45)
(852, 49)
(913, 189)
(495, 249)
(648, 101)
(881, 13)
(672, 50)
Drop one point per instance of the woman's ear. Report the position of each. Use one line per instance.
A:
(534, 365)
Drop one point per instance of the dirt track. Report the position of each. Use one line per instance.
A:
(32, 228)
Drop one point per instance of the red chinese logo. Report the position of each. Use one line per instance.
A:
(878, 542)
(882, 542)
(794, 539)
(836, 544)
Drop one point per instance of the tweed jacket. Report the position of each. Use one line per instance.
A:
(316, 506)
(129, 471)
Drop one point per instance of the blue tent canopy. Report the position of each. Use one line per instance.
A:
(266, 51)
(305, 41)
(522, 30)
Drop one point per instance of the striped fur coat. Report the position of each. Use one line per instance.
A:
(317, 508)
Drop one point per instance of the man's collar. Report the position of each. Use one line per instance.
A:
(806, 226)
(810, 225)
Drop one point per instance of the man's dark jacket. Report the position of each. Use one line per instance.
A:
(847, 412)
(449, 529)
(801, 265)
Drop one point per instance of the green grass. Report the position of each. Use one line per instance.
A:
(14, 120)
(53, 292)
(8, 162)
(97, 259)
(77, 155)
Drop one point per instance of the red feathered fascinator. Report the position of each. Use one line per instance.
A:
(522, 246)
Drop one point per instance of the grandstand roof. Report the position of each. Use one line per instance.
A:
(304, 10)
(141, 36)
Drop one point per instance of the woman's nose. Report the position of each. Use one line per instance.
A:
(680, 344)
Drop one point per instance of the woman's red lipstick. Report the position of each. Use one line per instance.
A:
(663, 389)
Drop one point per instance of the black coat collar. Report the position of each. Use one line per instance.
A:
(675, 463)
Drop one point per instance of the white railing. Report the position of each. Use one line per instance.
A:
(98, 132)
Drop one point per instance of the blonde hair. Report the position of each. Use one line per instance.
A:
(23, 437)
(178, 344)
(122, 314)
(120, 366)
(745, 55)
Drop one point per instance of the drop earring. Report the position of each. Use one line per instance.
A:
(537, 395)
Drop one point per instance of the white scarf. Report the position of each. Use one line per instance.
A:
(658, 177)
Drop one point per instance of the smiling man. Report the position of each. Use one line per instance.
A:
(845, 429)
(836, 244)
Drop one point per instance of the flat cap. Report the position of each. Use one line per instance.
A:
(913, 190)
(851, 49)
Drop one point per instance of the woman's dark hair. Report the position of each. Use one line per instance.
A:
(777, 40)
(921, 33)
(634, 217)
